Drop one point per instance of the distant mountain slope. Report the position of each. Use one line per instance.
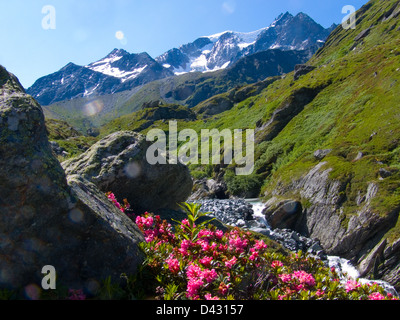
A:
(187, 89)
(117, 72)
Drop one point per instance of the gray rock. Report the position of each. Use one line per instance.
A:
(384, 173)
(359, 156)
(302, 69)
(118, 164)
(321, 154)
(362, 34)
(283, 214)
(56, 148)
(46, 221)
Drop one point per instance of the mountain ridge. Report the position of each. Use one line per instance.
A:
(121, 70)
(215, 52)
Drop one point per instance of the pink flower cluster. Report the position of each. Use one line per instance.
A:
(112, 198)
(173, 265)
(304, 278)
(376, 296)
(298, 280)
(206, 263)
(155, 229)
(197, 279)
(236, 243)
(352, 285)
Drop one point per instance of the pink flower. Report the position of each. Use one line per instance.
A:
(193, 287)
(223, 288)
(148, 222)
(208, 296)
(285, 277)
(376, 296)
(352, 285)
(185, 245)
(193, 271)
(206, 261)
(304, 278)
(186, 224)
(223, 247)
(219, 234)
(209, 275)
(230, 263)
(320, 293)
(260, 245)
(238, 243)
(276, 264)
(173, 265)
(253, 256)
(204, 233)
(204, 245)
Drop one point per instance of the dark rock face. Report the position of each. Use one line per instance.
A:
(289, 108)
(321, 154)
(284, 215)
(45, 220)
(358, 239)
(301, 70)
(208, 189)
(118, 164)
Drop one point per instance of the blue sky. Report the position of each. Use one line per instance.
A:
(87, 30)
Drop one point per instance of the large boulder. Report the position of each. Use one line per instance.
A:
(118, 164)
(47, 220)
(284, 214)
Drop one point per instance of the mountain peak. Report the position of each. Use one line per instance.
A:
(117, 53)
(69, 66)
(304, 17)
(282, 18)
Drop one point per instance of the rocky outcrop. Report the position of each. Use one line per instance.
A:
(283, 214)
(47, 220)
(118, 163)
(301, 70)
(289, 108)
(208, 189)
(358, 236)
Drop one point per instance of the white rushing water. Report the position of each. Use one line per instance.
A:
(343, 266)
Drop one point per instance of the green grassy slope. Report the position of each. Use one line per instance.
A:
(349, 104)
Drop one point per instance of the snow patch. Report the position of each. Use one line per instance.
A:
(108, 70)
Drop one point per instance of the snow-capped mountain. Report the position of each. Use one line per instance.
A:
(123, 65)
(220, 50)
(121, 70)
(116, 72)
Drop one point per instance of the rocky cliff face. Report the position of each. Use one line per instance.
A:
(47, 220)
(358, 237)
